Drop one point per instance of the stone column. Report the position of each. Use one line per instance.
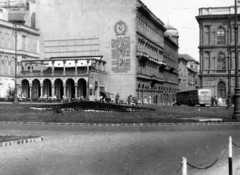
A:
(2, 65)
(76, 86)
(30, 91)
(101, 66)
(209, 35)
(17, 68)
(97, 65)
(87, 89)
(76, 61)
(53, 90)
(64, 68)
(9, 67)
(87, 66)
(64, 90)
(201, 35)
(210, 66)
(41, 67)
(41, 86)
(30, 67)
(201, 62)
(53, 67)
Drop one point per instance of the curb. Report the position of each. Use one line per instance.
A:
(21, 141)
(125, 124)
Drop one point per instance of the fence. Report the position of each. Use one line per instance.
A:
(184, 163)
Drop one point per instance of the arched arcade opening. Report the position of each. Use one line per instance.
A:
(36, 89)
(25, 89)
(58, 88)
(81, 90)
(47, 92)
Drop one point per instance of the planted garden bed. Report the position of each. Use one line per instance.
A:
(88, 106)
(161, 114)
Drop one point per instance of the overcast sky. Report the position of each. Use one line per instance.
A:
(181, 15)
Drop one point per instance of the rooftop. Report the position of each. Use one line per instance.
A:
(187, 57)
(218, 10)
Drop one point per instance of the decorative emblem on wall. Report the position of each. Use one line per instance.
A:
(120, 28)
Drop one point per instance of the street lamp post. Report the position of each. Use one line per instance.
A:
(236, 113)
(15, 86)
(229, 83)
(89, 73)
(229, 99)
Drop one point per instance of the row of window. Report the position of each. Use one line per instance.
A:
(220, 35)
(221, 61)
(149, 49)
(7, 41)
(143, 25)
(7, 66)
(162, 88)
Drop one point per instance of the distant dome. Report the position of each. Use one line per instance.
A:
(171, 31)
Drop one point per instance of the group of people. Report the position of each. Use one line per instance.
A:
(214, 101)
(132, 100)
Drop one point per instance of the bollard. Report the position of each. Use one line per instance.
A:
(184, 166)
(230, 155)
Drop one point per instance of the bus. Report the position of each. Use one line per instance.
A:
(200, 97)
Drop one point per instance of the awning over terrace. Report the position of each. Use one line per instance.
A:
(61, 62)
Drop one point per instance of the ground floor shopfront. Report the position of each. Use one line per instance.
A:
(156, 91)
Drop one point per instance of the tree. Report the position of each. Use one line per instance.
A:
(10, 92)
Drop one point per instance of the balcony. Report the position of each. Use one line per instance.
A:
(218, 10)
(55, 73)
(143, 56)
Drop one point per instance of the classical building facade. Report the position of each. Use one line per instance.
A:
(188, 72)
(170, 66)
(89, 48)
(216, 48)
(13, 29)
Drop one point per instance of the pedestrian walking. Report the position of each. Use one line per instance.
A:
(117, 98)
(212, 101)
(216, 101)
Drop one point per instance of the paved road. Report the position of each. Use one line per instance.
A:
(92, 150)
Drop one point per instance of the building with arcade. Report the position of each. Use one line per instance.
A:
(87, 49)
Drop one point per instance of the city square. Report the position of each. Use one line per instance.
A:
(91, 150)
(125, 87)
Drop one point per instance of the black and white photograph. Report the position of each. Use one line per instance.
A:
(119, 87)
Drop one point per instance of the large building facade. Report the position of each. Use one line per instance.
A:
(27, 46)
(217, 51)
(87, 48)
(188, 69)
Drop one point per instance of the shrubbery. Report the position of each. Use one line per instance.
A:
(98, 106)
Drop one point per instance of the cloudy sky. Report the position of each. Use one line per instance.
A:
(181, 15)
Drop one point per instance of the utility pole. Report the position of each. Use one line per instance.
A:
(236, 113)
(15, 87)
